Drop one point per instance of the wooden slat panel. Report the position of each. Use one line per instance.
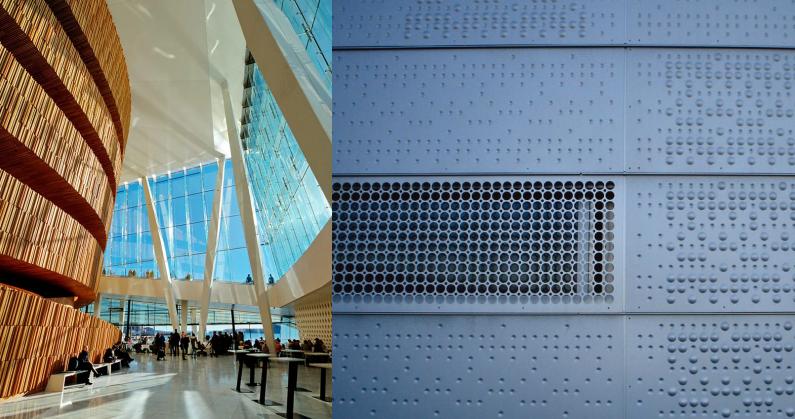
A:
(28, 318)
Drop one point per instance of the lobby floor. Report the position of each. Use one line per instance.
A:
(194, 388)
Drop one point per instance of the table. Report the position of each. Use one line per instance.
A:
(323, 367)
(292, 378)
(263, 379)
(293, 351)
(239, 360)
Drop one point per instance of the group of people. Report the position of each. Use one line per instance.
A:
(176, 342)
(83, 363)
(219, 344)
(307, 345)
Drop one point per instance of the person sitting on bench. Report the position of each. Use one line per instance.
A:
(108, 356)
(84, 364)
(121, 353)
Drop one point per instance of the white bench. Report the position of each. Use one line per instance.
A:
(57, 381)
(108, 365)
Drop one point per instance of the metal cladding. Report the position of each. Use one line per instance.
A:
(564, 209)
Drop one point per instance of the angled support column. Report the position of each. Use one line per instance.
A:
(183, 314)
(160, 255)
(294, 81)
(121, 313)
(246, 205)
(98, 305)
(193, 320)
(212, 245)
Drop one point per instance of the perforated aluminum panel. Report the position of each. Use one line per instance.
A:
(419, 23)
(460, 22)
(710, 244)
(765, 23)
(710, 366)
(460, 244)
(404, 366)
(478, 111)
(718, 111)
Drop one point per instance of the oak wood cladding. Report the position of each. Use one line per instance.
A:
(37, 337)
(25, 28)
(108, 67)
(40, 147)
(36, 232)
(64, 118)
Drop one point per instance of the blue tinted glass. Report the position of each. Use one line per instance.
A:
(291, 207)
(193, 181)
(209, 173)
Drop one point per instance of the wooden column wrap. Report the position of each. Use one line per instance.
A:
(33, 231)
(100, 137)
(39, 336)
(96, 18)
(41, 148)
(96, 21)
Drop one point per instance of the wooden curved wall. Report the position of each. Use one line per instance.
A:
(37, 337)
(64, 118)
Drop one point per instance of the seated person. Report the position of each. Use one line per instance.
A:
(122, 354)
(83, 362)
(306, 346)
(109, 356)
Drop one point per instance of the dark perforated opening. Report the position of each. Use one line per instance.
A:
(473, 239)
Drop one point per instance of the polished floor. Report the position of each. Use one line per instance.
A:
(193, 388)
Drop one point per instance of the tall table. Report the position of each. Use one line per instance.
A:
(239, 358)
(292, 379)
(293, 352)
(323, 367)
(263, 378)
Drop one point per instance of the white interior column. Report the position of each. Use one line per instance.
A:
(97, 305)
(121, 314)
(160, 255)
(247, 216)
(294, 81)
(183, 323)
(212, 245)
(193, 320)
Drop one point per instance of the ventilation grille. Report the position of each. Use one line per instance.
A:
(549, 240)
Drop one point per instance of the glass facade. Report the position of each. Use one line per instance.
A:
(231, 259)
(311, 20)
(129, 250)
(291, 206)
(183, 202)
(147, 318)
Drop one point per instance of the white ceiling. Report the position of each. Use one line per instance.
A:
(178, 52)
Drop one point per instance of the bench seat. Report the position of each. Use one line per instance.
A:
(57, 381)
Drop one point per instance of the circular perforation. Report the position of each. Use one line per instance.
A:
(474, 238)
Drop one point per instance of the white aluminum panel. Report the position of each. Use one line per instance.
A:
(710, 244)
(479, 111)
(710, 111)
(404, 366)
(710, 366)
(383, 23)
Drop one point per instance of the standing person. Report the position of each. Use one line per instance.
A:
(193, 345)
(173, 343)
(183, 343)
(214, 345)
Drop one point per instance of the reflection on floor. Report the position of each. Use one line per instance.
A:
(194, 388)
